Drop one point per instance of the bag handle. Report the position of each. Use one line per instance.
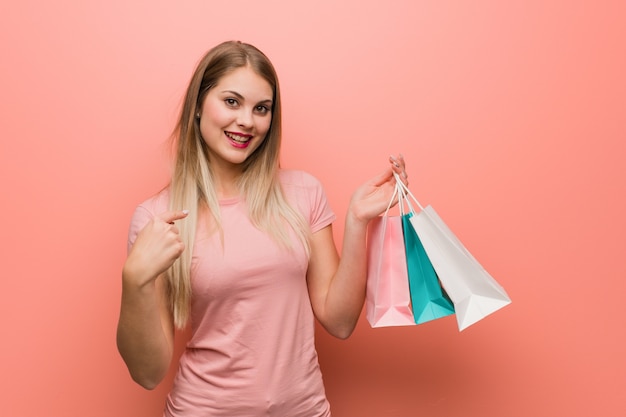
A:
(407, 193)
(393, 197)
(396, 192)
(402, 200)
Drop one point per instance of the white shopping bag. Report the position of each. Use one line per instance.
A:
(474, 292)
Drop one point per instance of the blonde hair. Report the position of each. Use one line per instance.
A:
(192, 186)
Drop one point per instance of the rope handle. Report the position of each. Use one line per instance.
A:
(393, 197)
(406, 193)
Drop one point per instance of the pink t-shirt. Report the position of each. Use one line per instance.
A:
(252, 350)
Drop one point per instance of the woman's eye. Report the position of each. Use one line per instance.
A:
(231, 102)
(262, 109)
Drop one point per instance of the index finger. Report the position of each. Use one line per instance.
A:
(171, 216)
(399, 166)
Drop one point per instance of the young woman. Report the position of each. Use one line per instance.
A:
(244, 252)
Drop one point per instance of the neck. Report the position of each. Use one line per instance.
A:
(226, 191)
(226, 181)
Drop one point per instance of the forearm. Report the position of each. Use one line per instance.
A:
(346, 294)
(337, 285)
(144, 332)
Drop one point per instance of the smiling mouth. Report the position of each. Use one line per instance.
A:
(238, 138)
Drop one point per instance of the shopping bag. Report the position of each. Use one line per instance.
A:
(474, 292)
(428, 300)
(388, 300)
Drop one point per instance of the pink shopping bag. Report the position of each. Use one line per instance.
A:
(388, 299)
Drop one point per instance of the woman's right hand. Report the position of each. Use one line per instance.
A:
(156, 248)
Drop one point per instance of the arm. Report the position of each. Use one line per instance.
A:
(337, 285)
(145, 331)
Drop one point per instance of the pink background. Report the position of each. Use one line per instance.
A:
(510, 114)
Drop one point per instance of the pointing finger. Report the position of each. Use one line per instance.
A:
(171, 216)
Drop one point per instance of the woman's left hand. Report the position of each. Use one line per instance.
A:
(372, 198)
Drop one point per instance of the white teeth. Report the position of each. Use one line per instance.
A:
(237, 138)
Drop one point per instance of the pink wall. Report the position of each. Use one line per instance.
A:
(511, 115)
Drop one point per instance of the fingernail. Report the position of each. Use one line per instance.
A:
(185, 211)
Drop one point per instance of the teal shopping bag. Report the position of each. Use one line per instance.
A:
(428, 300)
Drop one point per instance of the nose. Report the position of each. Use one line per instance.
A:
(244, 119)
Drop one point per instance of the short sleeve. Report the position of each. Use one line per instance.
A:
(309, 195)
(144, 213)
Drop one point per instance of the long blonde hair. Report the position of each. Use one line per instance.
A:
(192, 185)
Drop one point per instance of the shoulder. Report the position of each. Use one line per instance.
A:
(145, 212)
(157, 203)
(297, 179)
(306, 192)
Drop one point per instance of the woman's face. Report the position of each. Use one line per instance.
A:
(235, 117)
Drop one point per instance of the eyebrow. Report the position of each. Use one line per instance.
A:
(239, 96)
